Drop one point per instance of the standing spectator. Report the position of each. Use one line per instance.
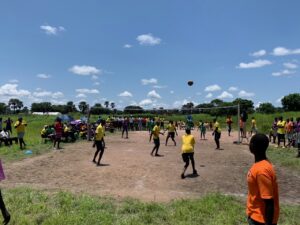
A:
(297, 130)
(281, 131)
(253, 126)
(274, 129)
(217, 133)
(125, 127)
(20, 128)
(58, 127)
(202, 129)
(290, 131)
(263, 197)
(1, 124)
(8, 125)
(5, 213)
(188, 143)
(229, 124)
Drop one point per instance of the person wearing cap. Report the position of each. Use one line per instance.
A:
(188, 144)
(20, 128)
(263, 195)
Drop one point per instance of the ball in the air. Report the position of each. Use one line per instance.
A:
(190, 82)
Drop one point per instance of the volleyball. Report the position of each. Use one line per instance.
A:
(190, 82)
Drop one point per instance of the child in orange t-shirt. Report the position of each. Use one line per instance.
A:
(263, 197)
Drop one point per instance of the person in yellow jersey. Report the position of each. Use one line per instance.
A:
(155, 134)
(188, 143)
(99, 138)
(20, 128)
(253, 126)
(281, 131)
(171, 132)
(217, 133)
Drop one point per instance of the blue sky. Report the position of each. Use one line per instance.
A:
(144, 52)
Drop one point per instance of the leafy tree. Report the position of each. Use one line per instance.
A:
(83, 106)
(71, 107)
(42, 107)
(245, 105)
(133, 109)
(112, 105)
(15, 103)
(106, 103)
(3, 108)
(98, 109)
(267, 108)
(291, 102)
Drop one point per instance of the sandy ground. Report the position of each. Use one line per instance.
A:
(129, 170)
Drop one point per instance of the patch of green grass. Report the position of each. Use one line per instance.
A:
(29, 206)
(284, 157)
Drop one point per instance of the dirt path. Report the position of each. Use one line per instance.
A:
(131, 171)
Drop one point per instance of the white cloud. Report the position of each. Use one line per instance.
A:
(50, 30)
(282, 51)
(42, 94)
(153, 94)
(127, 46)
(146, 102)
(125, 94)
(58, 102)
(198, 93)
(283, 73)
(256, 64)
(148, 39)
(87, 91)
(96, 83)
(245, 94)
(149, 81)
(172, 92)
(13, 81)
(279, 99)
(259, 53)
(209, 95)
(11, 90)
(214, 87)
(225, 94)
(81, 95)
(233, 89)
(85, 70)
(43, 76)
(160, 86)
(57, 94)
(94, 77)
(290, 65)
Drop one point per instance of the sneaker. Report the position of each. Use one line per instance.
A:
(182, 176)
(195, 172)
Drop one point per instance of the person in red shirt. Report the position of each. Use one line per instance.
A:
(263, 196)
(58, 127)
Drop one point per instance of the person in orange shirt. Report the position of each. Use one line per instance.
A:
(263, 197)
(289, 131)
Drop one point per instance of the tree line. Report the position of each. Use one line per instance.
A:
(216, 107)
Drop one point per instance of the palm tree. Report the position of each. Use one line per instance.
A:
(82, 106)
(106, 103)
(112, 105)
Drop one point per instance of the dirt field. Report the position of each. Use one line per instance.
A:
(129, 170)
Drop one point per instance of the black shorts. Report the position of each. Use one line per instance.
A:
(99, 145)
(187, 156)
(171, 134)
(281, 136)
(156, 141)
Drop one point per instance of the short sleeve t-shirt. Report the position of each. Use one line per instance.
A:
(20, 127)
(171, 128)
(262, 184)
(99, 133)
(188, 143)
(253, 123)
(281, 126)
(155, 132)
(217, 127)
